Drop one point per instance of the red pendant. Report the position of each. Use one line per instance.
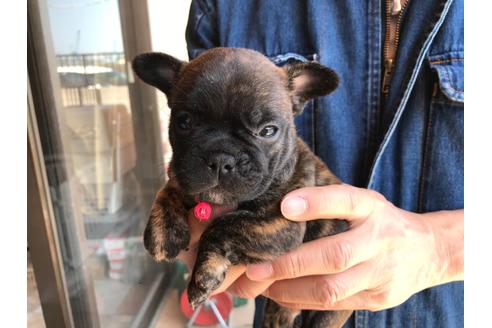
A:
(202, 211)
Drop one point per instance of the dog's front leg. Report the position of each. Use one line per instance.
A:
(167, 231)
(239, 238)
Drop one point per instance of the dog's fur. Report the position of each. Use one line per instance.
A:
(234, 142)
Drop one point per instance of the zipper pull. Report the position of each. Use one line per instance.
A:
(388, 70)
(396, 7)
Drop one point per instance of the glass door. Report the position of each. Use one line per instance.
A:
(101, 145)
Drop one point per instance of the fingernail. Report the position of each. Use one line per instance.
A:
(259, 271)
(293, 206)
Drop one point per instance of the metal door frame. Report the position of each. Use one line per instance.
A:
(42, 235)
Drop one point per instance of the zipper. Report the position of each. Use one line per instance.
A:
(394, 16)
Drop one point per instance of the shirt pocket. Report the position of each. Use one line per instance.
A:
(443, 172)
(305, 122)
(449, 68)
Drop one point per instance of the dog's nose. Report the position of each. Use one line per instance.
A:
(222, 163)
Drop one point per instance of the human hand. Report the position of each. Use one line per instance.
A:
(386, 256)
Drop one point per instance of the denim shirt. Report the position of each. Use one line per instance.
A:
(407, 145)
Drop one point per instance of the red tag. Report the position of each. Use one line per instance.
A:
(202, 211)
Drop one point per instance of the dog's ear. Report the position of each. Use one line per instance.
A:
(157, 69)
(308, 80)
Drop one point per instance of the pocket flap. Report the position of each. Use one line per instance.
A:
(450, 71)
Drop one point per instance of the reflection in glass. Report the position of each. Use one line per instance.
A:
(99, 202)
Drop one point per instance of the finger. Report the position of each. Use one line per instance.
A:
(231, 276)
(322, 290)
(322, 256)
(246, 288)
(188, 255)
(330, 202)
(219, 210)
(364, 300)
(359, 301)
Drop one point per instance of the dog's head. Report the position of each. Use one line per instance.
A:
(231, 128)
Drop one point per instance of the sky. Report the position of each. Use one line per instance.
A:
(85, 26)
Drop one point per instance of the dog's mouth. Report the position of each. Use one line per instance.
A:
(216, 195)
(226, 191)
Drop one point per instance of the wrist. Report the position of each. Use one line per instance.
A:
(446, 230)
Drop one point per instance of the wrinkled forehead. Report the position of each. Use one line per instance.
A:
(226, 84)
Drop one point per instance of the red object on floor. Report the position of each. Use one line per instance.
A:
(202, 211)
(207, 317)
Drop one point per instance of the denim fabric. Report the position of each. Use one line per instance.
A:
(408, 146)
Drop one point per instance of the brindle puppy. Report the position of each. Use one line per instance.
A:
(234, 142)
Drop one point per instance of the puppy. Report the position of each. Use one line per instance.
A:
(234, 142)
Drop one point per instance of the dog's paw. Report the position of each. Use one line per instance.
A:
(197, 295)
(208, 275)
(276, 316)
(166, 233)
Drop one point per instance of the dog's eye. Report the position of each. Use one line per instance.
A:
(268, 131)
(184, 121)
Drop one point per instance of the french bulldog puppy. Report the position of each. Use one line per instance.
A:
(234, 142)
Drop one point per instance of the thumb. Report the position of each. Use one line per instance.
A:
(330, 202)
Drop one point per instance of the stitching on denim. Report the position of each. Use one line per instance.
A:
(446, 53)
(367, 130)
(443, 61)
(456, 95)
(414, 316)
(290, 55)
(366, 318)
(374, 83)
(314, 117)
(448, 82)
(448, 102)
(425, 155)
(446, 85)
(359, 319)
(356, 318)
(314, 130)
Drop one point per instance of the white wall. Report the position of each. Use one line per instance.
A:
(168, 20)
